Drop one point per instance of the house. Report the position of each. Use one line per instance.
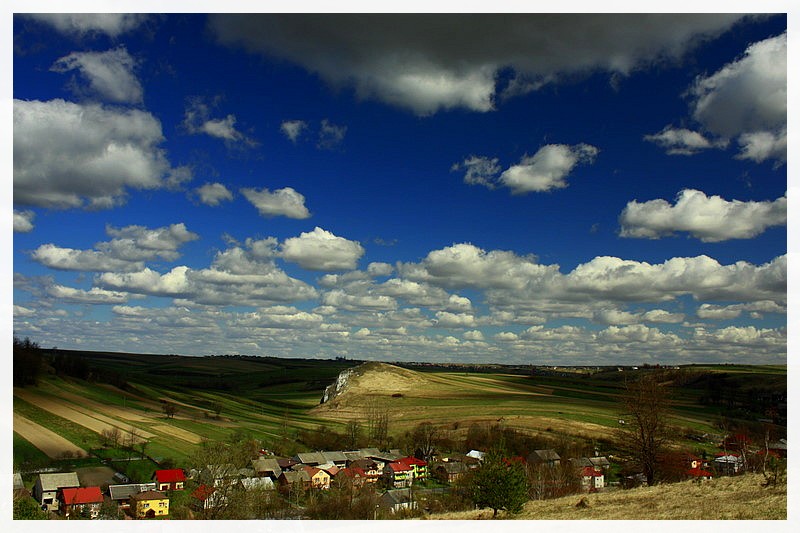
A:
(45, 490)
(544, 457)
(449, 471)
(257, 483)
(699, 474)
(310, 459)
(149, 504)
(337, 458)
(121, 494)
(592, 479)
(356, 475)
(419, 467)
(266, 467)
(286, 464)
(320, 479)
(600, 462)
(294, 481)
(476, 454)
(398, 500)
(79, 500)
(172, 479)
(399, 474)
(370, 468)
(729, 464)
(205, 497)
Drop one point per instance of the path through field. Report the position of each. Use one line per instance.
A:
(52, 444)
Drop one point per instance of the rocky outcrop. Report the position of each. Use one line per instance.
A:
(333, 390)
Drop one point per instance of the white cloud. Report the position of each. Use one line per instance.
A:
(561, 333)
(480, 170)
(59, 258)
(279, 317)
(547, 169)
(92, 296)
(23, 311)
(445, 319)
(748, 98)
(663, 317)
(728, 312)
(474, 335)
(350, 302)
(23, 221)
(680, 141)
(67, 154)
(127, 252)
(293, 129)
(409, 63)
(330, 135)
(146, 281)
(638, 334)
(213, 194)
(197, 119)
(322, 250)
(762, 145)
(376, 269)
(282, 202)
(110, 74)
(710, 219)
(82, 24)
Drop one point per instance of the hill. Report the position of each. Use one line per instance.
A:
(725, 498)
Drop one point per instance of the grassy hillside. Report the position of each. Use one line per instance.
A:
(726, 498)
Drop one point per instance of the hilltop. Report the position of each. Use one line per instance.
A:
(369, 383)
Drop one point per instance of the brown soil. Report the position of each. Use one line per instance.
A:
(52, 444)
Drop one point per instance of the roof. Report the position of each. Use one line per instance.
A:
(543, 455)
(266, 464)
(314, 458)
(398, 466)
(412, 461)
(398, 496)
(123, 492)
(149, 495)
(599, 461)
(590, 471)
(366, 464)
(60, 480)
(453, 467)
(18, 484)
(699, 472)
(250, 483)
(81, 495)
(334, 457)
(169, 476)
(352, 471)
(203, 492)
(296, 476)
(476, 454)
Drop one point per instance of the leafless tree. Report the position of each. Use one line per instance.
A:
(646, 433)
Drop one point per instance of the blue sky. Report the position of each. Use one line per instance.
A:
(541, 189)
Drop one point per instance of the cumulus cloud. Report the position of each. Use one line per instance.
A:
(83, 24)
(747, 99)
(376, 269)
(729, 312)
(282, 202)
(197, 120)
(330, 135)
(409, 64)
(23, 221)
(293, 129)
(446, 319)
(710, 219)
(68, 155)
(322, 250)
(110, 74)
(547, 169)
(479, 170)
(131, 246)
(93, 296)
(681, 141)
(213, 194)
(474, 335)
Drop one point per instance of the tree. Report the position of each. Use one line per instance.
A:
(169, 408)
(352, 432)
(423, 440)
(645, 435)
(27, 509)
(500, 484)
(27, 363)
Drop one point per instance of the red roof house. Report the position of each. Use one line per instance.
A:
(172, 479)
(592, 479)
(77, 499)
(699, 473)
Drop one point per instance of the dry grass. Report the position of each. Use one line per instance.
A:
(726, 498)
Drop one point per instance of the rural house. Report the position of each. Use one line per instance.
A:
(79, 500)
(310, 459)
(149, 504)
(121, 494)
(320, 479)
(419, 468)
(449, 471)
(353, 473)
(592, 479)
(45, 490)
(399, 474)
(205, 497)
(398, 500)
(266, 467)
(369, 467)
(257, 483)
(699, 474)
(172, 479)
(729, 464)
(293, 481)
(544, 457)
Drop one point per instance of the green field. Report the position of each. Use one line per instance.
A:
(273, 399)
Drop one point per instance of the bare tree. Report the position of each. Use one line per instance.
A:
(646, 433)
(423, 439)
(352, 432)
(169, 408)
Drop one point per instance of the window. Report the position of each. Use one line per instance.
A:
(145, 505)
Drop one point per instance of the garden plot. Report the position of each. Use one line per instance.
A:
(52, 444)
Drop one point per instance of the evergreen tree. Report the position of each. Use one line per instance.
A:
(500, 484)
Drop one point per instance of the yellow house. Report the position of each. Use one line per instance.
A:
(149, 504)
(320, 479)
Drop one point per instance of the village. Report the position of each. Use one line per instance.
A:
(404, 485)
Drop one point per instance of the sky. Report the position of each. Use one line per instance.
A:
(553, 189)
